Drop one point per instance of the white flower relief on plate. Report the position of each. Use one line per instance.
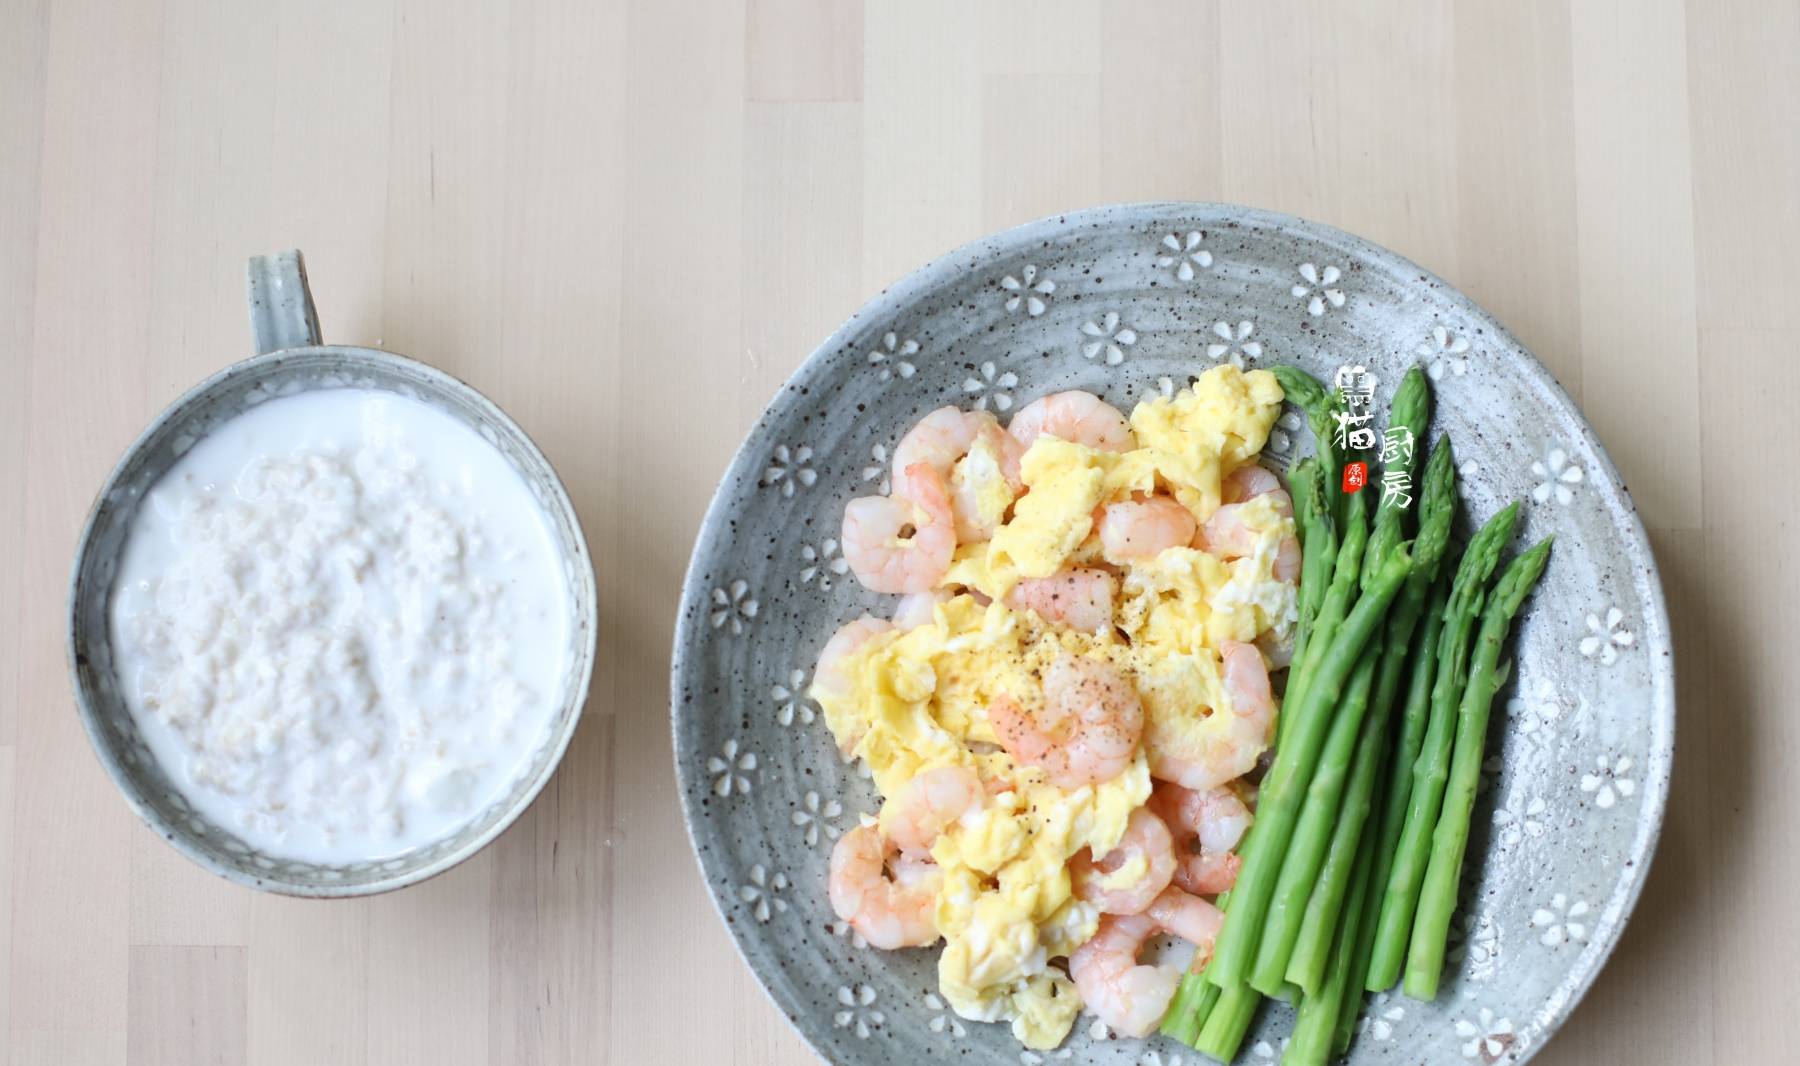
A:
(943, 1019)
(1557, 476)
(1564, 921)
(1444, 352)
(1485, 1036)
(845, 931)
(1610, 781)
(816, 819)
(1537, 712)
(991, 386)
(1035, 1058)
(893, 357)
(731, 769)
(856, 1010)
(1527, 821)
(1318, 287)
(1606, 637)
(822, 562)
(790, 468)
(1235, 344)
(877, 470)
(733, 607)
(1380, 1017)
(1183, 253)
(1474, 943)
(1281, 434)
(1028, 291)
(790, 700)
(763, 893)
(1107, 339)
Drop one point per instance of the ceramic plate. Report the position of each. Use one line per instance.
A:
(1126, 301)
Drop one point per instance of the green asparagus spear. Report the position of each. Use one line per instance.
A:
(1415, 713)
(1431, 768)
(1431, 926)
(1320, 1017)
(1301, 870)
(1407, 419)
(1315, 943)
(1284, 789)
(1339, 597)
(1320, 550)
(1318, 540)
(1225, 1027)
(1306, 392)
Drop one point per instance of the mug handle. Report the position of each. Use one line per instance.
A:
(281, 305)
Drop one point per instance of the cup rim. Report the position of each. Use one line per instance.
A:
(126, 783)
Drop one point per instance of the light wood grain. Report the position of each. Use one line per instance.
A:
(628, 221)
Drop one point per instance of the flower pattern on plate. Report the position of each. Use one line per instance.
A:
(1444, 352)
(1606, 637)
(1235, 344)
(991, 386)
(1557, 476)
(1609, 783)
(1380, 1017)
(1107, 339)
(1528, 821)
(733, 607)
(1318, 287)
(856, 1010)
(1564, 921)
(763, 892)
(1281, 434)
(1028, 291)
(1184, 253)
(731, 770)
(822, 562)
(877, 470)
(1485, 1035)
(790, 700)
(790, 468)
(1535, 713)
(1475, 940)
(844, 930)
(816, 818)
(893, 358)
(943, 1019)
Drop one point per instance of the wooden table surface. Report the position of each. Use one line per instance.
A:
(627, 222)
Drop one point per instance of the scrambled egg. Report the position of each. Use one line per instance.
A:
(918, 699)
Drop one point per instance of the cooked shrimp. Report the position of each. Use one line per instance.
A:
(1227, 742)
(1146, 838)
(1087, 729)
(828, 674)
(829, 681)
(1075, 416)
(883, 558)
(1128, 997)
(929, 803)
(917, 609)
(889, 912)
(1226, 535)
(1144, 528)
(1205, 827)
(945, 436)
(1189, 917)
(1080, 598)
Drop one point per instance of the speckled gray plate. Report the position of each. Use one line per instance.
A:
(1124, 301)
